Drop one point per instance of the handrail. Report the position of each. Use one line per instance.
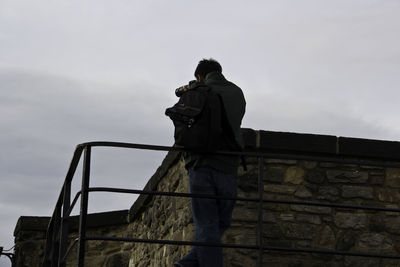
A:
(51, 250)
(250, 199)
(56, 250)
(254, 247)
(9, 255)
(323, 158)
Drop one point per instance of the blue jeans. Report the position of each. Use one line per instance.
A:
(211, 217)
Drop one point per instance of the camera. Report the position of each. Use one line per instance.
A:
(183, 89)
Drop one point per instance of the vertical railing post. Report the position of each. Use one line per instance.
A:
(49, 244)
(64, 223)
(55, 236)
(260, 210)
(84, 206)
(13, 263)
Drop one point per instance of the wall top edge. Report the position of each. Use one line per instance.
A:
(40, 224)
(263, 140)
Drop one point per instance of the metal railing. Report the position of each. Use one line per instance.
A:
(56, 250)
(8, 254)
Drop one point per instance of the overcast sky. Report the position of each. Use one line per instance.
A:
(76, 71)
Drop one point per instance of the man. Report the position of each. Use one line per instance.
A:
(214, 174)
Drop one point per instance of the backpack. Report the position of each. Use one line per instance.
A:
(198, 119)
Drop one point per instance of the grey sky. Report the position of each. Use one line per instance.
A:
(77, 71)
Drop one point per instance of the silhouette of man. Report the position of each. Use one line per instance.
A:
(214, 174)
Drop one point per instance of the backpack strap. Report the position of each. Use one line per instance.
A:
(228, 134)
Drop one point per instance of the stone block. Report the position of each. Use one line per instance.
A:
(376, 223)
(308, 164)
(177, 236)
(394, 213)
(346, 241)
(316, 176)
(377, 179)
(188, 233)
(353, 177)
(375, 242)
(393, 177)
(300, 231)
(311, 209)
(241, 235)
(294, 175)
(327, 219)
(30, 235)
(244, 214)
(387, 195)
(325, 238)
(240, 257)
(269, 217)
(312, 187)
(390, 262)
(303, 192)
(392, 225)
(276, 207)
(272, 231)
(107, 247)
(357, 192)
(330, 193)
(287, 217)
(350, 261)
(279, 189)
(308, 218)
(303, 244)
(248, 182)
(93, 261)
(277, 243)
(274, 174)
(350, 220)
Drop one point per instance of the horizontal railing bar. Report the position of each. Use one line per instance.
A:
(168, 242)
(209, 244)
(129, 145)
(171, 194)
(275, 201)
(325, 158)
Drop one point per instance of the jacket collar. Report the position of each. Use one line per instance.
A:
(214, 76)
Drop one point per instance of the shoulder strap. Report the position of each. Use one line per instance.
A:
(228, 134)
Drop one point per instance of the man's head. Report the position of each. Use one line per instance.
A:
(206, 66)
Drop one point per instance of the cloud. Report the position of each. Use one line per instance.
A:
(81, 71)
(45, 116)
(295, 113)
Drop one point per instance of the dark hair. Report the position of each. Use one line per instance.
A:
(206, 66)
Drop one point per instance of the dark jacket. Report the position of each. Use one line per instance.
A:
(235, 105)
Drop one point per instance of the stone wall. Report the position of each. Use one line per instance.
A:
(284, 225)
(30, 238)
(287, 225)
